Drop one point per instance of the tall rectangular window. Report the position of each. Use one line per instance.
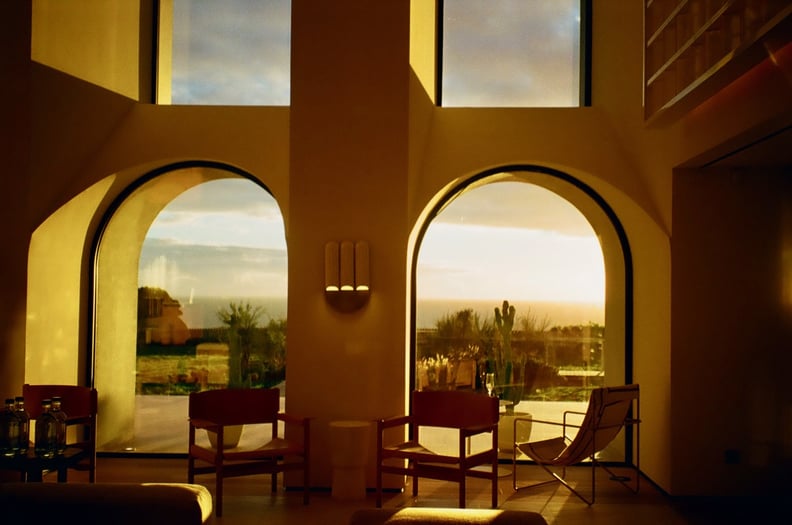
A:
(511, 53)
(234, 52)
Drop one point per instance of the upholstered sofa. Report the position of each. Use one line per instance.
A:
(105, 503)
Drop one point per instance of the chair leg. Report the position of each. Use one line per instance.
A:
(379, 486)
(624, 480)
(556, 478)
(571, 488)
(92, 468)
(191, 470)
(306, 483)
(495, 487)
(218, 492)
(462, 492)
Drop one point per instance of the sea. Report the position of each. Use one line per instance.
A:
(201, 312)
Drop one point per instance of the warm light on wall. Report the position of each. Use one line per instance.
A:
(347, 274)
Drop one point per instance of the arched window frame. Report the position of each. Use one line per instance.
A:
(93, 278)
(594, 198)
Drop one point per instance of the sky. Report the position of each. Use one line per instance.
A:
(506, 239)
(220, 238)
(238, 50)
(519, 53)
(511, 240)
(528, 243)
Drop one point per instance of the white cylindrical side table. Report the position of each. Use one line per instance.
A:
(349, 443)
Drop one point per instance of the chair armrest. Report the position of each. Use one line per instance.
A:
(393, 422)
(292, 420)
(204, 423)
(518, 420)
(571, 412)
(545, 422)
(472, 431)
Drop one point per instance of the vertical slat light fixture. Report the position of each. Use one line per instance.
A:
(332, 267)
(347, 266)
(347, 274)
(361, 266)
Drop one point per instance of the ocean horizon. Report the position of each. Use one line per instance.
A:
(201, 312)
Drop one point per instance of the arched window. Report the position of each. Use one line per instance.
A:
(190, 294)
(510, 280)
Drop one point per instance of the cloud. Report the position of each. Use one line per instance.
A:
(479, 262)
(186, 269)
(226, 212)
(231, 52)
(227, 195)
(514, 204)
(511, 53)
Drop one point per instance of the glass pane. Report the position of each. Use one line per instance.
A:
(517, 242)
(212, 300)
(511, 53)
(234, 52)
(191, 295)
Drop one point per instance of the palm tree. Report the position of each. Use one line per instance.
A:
(241, 321)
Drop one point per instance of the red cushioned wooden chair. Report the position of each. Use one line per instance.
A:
(470, 413)
(213, 410)
(80, 404)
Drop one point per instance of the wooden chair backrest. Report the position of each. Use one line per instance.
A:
(453, 408)
(608, 410)
(236, 406)
(77, 402)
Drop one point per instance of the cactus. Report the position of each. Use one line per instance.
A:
(505, 323)
(508, 373)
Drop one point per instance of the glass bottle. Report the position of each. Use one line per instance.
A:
(24, 425)
(46, 431)
(60, 417)
(9, 429)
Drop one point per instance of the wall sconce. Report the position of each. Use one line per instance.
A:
(347, 274)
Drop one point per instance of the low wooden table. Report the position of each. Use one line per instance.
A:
(33, 467)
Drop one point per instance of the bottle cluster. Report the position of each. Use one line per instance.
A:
(50, 428)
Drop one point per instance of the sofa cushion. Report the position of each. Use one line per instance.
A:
(445, 516)
(106, 503)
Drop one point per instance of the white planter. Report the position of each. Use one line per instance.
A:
(231, 435)
(506, 431)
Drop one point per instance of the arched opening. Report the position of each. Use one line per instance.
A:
(554, 249)
(54, 350)
(179, 251)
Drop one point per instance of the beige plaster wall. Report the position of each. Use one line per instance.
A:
(95, 40)
(53, 346)
(361, 155)
(15, 149)
(348, 165)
